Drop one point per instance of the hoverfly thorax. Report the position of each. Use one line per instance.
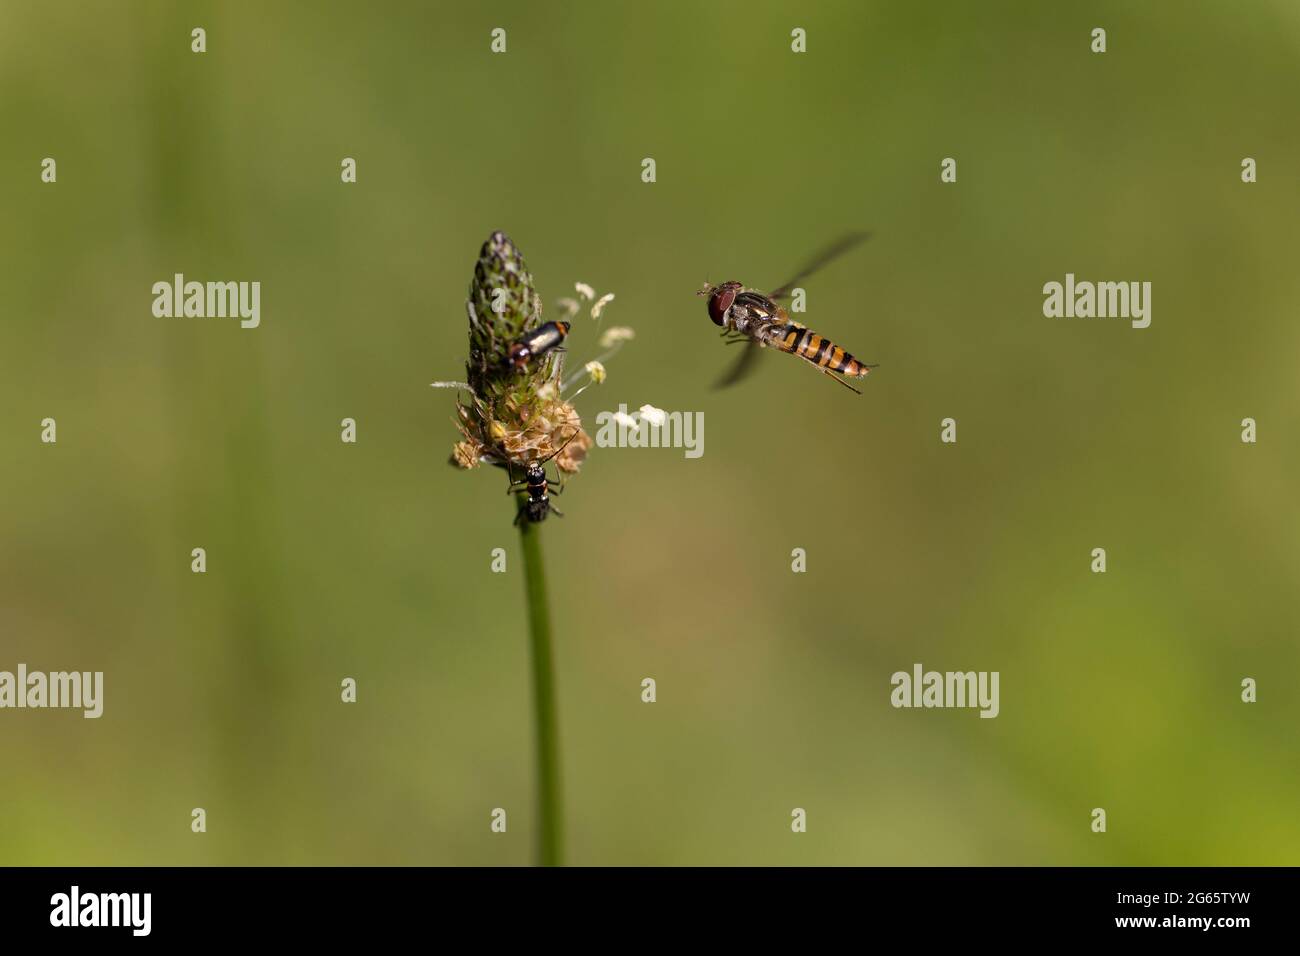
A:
(720, 301)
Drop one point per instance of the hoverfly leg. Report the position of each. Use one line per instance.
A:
(827, 371)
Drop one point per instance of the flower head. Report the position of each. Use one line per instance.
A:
(515, 415)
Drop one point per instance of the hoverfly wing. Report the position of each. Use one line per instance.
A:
(836, 249)
(744, 365)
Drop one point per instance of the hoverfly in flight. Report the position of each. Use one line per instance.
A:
(754, 318)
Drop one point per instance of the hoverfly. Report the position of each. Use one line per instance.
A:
(754, 318)
(537, 343)
(539, 488)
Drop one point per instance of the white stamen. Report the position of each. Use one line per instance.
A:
(599, 307)
(655, 416)
(616, 334)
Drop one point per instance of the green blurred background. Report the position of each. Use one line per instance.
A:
(328, 560)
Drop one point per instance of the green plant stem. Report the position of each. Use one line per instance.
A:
(549, 814)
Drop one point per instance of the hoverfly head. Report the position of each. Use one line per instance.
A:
(720, 299)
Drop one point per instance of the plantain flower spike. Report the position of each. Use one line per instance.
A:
(514, 415)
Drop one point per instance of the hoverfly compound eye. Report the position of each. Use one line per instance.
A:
(719, 303)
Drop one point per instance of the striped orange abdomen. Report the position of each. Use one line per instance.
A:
(817, 349)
